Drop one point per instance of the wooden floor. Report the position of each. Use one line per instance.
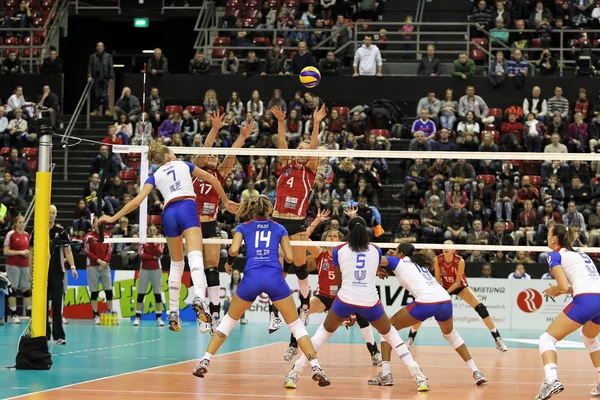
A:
(258, 373)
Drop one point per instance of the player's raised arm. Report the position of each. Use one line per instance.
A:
(280, 115)
(318, 116)
(217, 124)
(229, 161)
(129, 207)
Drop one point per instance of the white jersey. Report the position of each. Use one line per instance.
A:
(579, 268)
(359, 272)
(418, 281)
(174, 181)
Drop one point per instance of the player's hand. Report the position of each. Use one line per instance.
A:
(106, 219)
(350, 321)
(247, 130)
(391, 252)
(228, 269)
(231, 206)
(553, 291)
(351, 212)
(217, 120)
(320, 114)
(382, 273)
(278, 113)
(75, 274)
(323, 215)
(25, 252)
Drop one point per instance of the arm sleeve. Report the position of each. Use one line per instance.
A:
(284, 231)
(107, 252)
(378, 252)
(392, 262)
(554, 259)
(334, 257)
(150, 181)
(190, 166)
(88, 248)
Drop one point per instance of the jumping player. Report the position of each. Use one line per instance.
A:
(323, 298)
(207, 201)
(173, 179)
(262, 273)
(293, 189)
(575, 274)
(450, 273)
(431, 300)
(356, 264)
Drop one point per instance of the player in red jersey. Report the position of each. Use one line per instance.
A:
(296, 179)
(450, 273)
(16, 250)
(207, 200)
(320, 259)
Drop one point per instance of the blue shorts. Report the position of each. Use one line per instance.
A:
(422, 311)
(584, 308)
(179, 216)
(344, 310)
(267, 280)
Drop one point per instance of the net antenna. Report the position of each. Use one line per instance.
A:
(143, 231)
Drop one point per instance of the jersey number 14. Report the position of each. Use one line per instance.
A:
(264, 237)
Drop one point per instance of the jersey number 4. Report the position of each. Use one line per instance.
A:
(262, 236)
(290, 182)
(204, 188)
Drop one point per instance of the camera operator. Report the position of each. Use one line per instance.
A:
(547, 64)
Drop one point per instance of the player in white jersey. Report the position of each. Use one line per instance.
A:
(356, 264)
(173, 179)
(576, 274)
(431, 300)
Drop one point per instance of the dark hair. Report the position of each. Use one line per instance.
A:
(358, 237)
(406, 248)
(565, 235)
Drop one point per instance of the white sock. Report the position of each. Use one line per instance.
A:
(13, 309)
(471, 364)
(314, 363)
(207, 355)
(214, 294)
(493, 330)
(401, 350)
(197, 271)
(367, 333)
(175, 275)
(319, 338)
(551, 371)
(413, 330)
(304, 287)
(386, 367)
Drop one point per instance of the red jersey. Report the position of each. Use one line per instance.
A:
(293, 188)
(96, 250)
(448, 271)
(207, 198)
(328, 285)
(17, 241)
(148, 253)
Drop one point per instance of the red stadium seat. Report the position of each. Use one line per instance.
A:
(174, 109)
(128, 175)
(476, 42)
(12, 41)
(29, 39)
(510, 226)
(477, 55)
(133, 165)
(5, 151)
(237, 4)
(280, 41)
(328, 23)
(342, 110)
(381, 132)
(595, 181)
(495, 112)
(11, 4)
(536, 180)
(219, 53)
(30, 153)
(291, 3)
(233, 12)
(195, 110)
(27, 52)
(222, 41)
(536, 43)
(276, 4)
(38, 22)
(253, 4)
(32, 165)
(41, 34)
(154, 220)
(487, 179)
(9, 50)
(249, 22)
(221, 110)
(47, 4)
(262, 41)
(251, 13)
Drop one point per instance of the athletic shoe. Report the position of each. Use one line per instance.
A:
(216, 320)
(319, 376)
(174, 321)
(136, 322)
(479, 378)
(376, 358)
(381, 380)
(15, 320)
(410, 342)
(202, 311)
(159, 322)
(595, 390)
(500, 344)
(303, 315)
(549, 389)
(97, 320)
(244, 321)
(65, 321)
(422, 382)
(274, 323)
(60, 342)
(290, 380)
(1, 321)
(201, 368)
(290, 353)
(205, 328)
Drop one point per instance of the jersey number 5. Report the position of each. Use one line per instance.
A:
(360, 265)
(262, 236)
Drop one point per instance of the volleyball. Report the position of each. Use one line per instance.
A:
(310, 77)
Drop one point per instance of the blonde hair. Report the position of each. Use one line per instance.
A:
(157, 154)
(255, 207)
(208, 93)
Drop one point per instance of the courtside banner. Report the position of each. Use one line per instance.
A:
(530, 308)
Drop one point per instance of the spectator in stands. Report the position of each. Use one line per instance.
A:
(540, 13)
(456, 222)
(430, 65)
(49, 101)
(500, 14)
(267, 16)
(52, 64)
(367, 60)
(301, 60)
(498, 70)
(9, 191)
(526, 224)
(16, 102)
(499, 33)
(299, 35)
(4, 127)
(549, 217)
(577, 136)
(408, 28)
(582, 104)
(19, 19)
(101, 71)
(547, 64)
(463, 67)
(411, 198)
(505, 201)
(189, 128)
(111, 137)
(230, 64)
(158, 66)
(511, 132)
(156, 107)
(477, 235)
(330, 65)
(553, 193)
(499, 237)
(518, 69)
(528, 192)
(368, 9)
(432, 220)
(341, 32)
(99, 162)
(594, 226)
(255, 106)
(12, 64)
(444, 143)
(406, 234)
(431, 104)
(124, 129)
(533, 131)
(581, 195)
(474, 103)
(482, 17)
(536, 104)
(573, 217)
(82, 219)
(557, 104)
(487, 142)
(17, 131)
(253, 65)
(236, 106)
(486, 270)
(520, 38)
(275, 62)
(210, 104)
(456, 191)
(128, 105)
(169, 127)
(425, 125)
(559, 127)
(143, 132)
(199, 64)
(20, 171)
(462, 172)
(448, 110)
(519, 273)
(419, 142)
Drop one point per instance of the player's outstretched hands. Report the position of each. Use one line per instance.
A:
(247, 130)
(323, 215)
(278, 113)
(351, 212)
(382, 273)
(320, 114)
(228, 269)
(231, 206)
(217, 120)
(106, 219)
(553, 291)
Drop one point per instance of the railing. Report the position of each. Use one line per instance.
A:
(89, 5)
(85, 98)
(206, 19)
(31, 208)
(182, 8)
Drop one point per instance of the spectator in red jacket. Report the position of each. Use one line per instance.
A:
(511, 133)
(528, 192)
(578, 135)
(98, 268)
(111, 136)
(581, 104)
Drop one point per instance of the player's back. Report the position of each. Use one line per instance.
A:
(359, 272)
(328, 284)
(174, 181)
(417, 280)
(579, 268)
(262, 238)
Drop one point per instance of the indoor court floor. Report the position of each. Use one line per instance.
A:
(126, 362)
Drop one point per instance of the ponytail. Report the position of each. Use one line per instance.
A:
(565, 236)
(358, 237)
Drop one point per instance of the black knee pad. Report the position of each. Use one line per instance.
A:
(304, 301)
(287, 266)
(27, 293)
(361, 321)
(212, 277)
(157, 298)
(109, 294)
(301, 272)
(140, 297)
(94, 296)
(482, 311)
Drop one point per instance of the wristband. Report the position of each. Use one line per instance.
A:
(231, 259)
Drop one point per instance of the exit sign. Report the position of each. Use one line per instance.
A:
(141, 22)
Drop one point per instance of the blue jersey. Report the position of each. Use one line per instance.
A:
(262, 238)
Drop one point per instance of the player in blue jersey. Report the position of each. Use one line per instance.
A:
(173, 180)
(263, 273)
(575, 274)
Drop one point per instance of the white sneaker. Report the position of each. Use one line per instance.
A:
(410, 343)
(290, 353)
(205, 327)
(160, 322)
(15, 320)
(136, 322)
(274, 323)
(97, 320)
(216, 320)
(500, 345)
(595, 390)
(65, 321)
(303, 315)
(60, 342)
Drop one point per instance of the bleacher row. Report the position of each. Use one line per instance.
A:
(29, 153)
(43, 12)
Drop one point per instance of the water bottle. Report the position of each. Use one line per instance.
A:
(115, 318)
(102, 319)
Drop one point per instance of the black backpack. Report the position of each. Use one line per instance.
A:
(384, 114)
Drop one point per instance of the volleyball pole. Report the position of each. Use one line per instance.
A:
(143, 231)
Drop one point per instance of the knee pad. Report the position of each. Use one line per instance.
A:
(287, 266)
(27, 293)
(109, 294)
(157, 298)
(227, 325)
(212, 277)
(591, 344)
(454, 339)
(361, 321)
(547, 343)
(140, 297)
(94, 296)
(298, 329)
(481, 309)
(301, 272)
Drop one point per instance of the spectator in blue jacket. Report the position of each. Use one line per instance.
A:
(425, 125)
(518, 69)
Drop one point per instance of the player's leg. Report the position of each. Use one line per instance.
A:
(175, 245)
(156, 281)
(316, 306)
(589, 335)
(93, 277)
(367, 333)
(13, 273)
(275, 322)
(471, 299)
(302, 275)
(55, 289)
(212, 254)
(142, 287)
(193, 239)
(412, 335)
(106, 280)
